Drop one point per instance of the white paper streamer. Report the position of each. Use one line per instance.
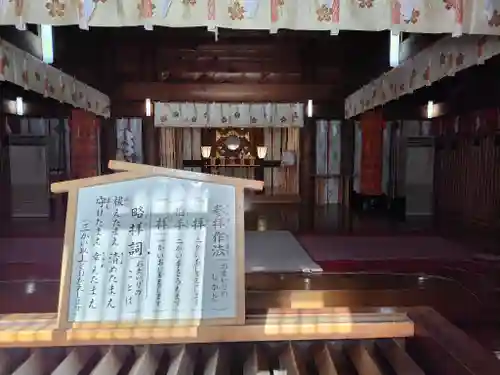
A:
(87, 8)
(251, 8)
(165, 8)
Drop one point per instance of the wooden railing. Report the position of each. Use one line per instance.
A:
(434, 347)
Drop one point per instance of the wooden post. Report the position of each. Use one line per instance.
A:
(84, 144)
(306, 172)
(4, 165)
(150, 141)
(346, 172)
(107, 143)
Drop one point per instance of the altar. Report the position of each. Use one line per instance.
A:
(258, 141)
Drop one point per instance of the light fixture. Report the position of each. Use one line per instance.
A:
(19, 106)
(47, 44)
(148, 107)
(206, 151)
(309, 108)
(261, 152)
(395, 43)
(430, 109)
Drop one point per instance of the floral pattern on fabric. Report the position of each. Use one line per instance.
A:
(236, 11)
(365, 3)
(56, 8)
(324, 13)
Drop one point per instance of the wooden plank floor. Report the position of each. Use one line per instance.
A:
(378, 357)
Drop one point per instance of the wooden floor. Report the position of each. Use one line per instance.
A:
(330, 219)
(422, 342)
(34, 287)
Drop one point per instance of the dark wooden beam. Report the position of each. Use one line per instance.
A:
(229, 65)
(37, 109)
(415, 43)
(183, 77)
(138, 91)
(35, 105)
(25, 40)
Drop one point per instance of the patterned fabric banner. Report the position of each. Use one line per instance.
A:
(422, 16)
(239, 115)
(445, 58)
(25, 70)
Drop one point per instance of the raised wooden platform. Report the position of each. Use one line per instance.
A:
(40, 330)
(431, 346)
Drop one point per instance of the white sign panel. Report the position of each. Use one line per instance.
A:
(156, 248)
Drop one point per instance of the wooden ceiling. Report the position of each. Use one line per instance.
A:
(132, 64)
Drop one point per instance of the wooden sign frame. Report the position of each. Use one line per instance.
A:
(131, 171)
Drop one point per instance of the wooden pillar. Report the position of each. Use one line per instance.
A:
(371, 155)
(84, 144)
(4, 164)
(107, 143)
(150, 138)
(306, 174)
(347, 144)
(346, 161)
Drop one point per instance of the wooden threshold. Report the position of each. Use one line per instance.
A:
(40, 330)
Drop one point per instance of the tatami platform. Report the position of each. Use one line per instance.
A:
(276, 251)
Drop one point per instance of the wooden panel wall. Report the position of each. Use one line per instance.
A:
(467, 176)
(170, 149)
(281, 180)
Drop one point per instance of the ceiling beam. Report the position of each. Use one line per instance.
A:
(225, 92)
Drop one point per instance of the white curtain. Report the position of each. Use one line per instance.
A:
(229, 114)
(129, 140)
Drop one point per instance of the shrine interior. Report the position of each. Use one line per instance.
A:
(398, 205)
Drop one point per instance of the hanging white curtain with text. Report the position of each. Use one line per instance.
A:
(221, 115)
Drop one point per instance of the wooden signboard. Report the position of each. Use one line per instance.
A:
(153, 246)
